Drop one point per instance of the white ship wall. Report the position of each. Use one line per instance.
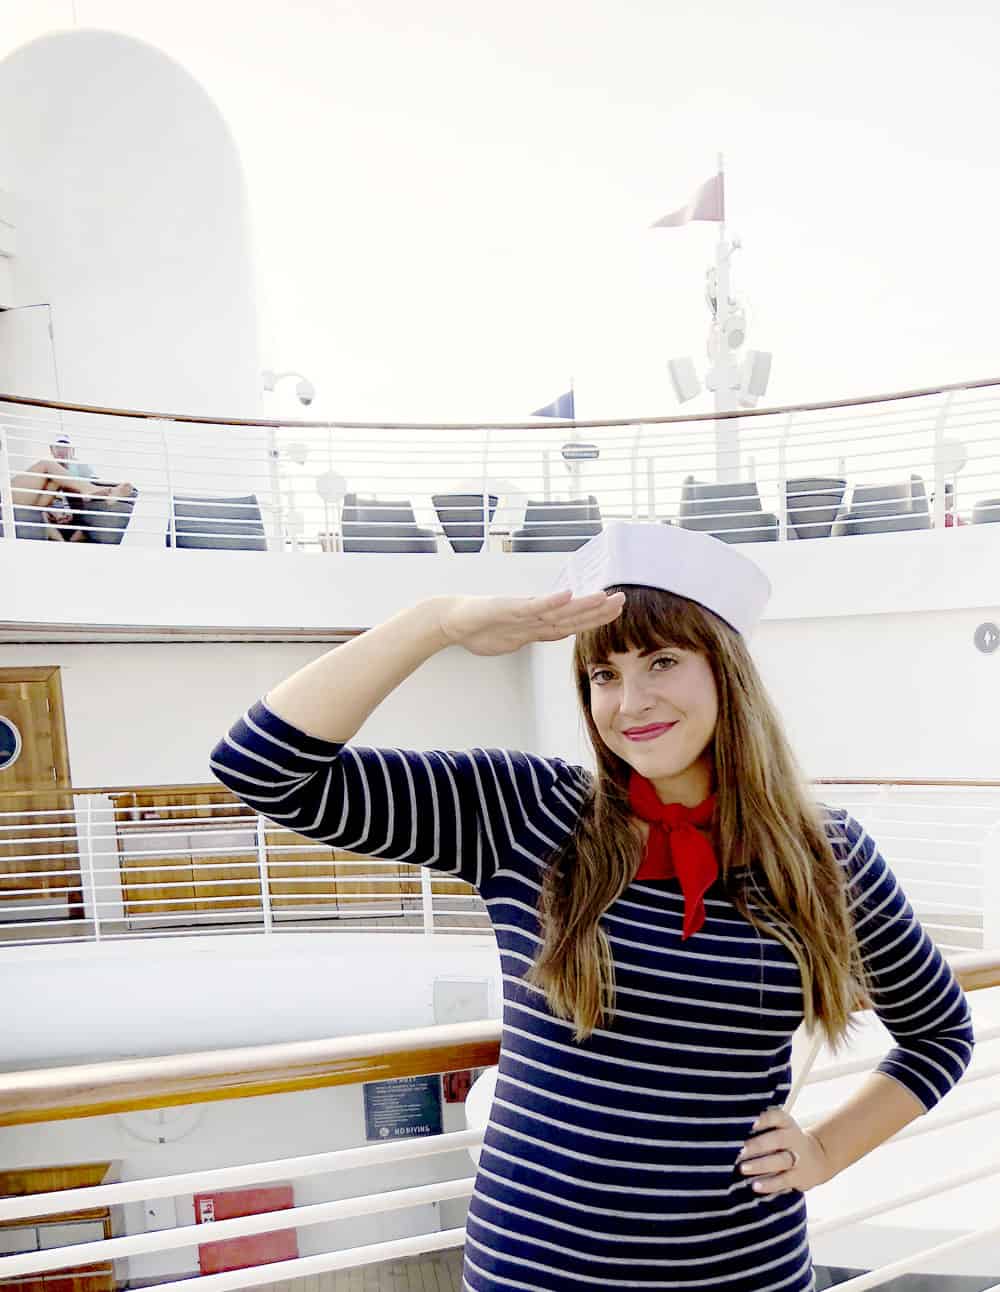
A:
(150, 714)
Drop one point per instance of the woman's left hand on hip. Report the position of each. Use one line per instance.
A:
(781, 1156)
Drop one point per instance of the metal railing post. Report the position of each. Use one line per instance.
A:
(634, 470)
(486, 493)
(546, 475)
(783, 478)
(278, 522)
(939, 481)
(991, 888)
(87, 864)
(6, 492)
(171, 517)
(427, 899)
(265, 887)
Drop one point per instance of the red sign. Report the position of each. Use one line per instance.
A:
(254, 1249)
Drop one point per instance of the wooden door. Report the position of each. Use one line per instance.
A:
(81, 1278)
(39, 849)
(31, 698)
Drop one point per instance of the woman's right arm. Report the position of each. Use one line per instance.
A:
(461, 812)
(331, 697)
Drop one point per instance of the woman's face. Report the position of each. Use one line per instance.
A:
(669, 685)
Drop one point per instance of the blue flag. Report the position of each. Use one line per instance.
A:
(564, 406)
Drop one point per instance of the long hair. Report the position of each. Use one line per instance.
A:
(767, 831)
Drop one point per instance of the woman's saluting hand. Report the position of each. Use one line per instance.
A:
(500, 625)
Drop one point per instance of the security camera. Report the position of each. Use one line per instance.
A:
(304, 388)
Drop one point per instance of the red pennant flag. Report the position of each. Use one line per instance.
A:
(707, 204)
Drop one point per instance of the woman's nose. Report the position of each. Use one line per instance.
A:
(637, 696)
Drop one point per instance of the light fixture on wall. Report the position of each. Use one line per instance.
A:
(304, 389)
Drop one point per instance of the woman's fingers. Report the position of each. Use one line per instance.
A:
(566, 612)
(555, 602)
(770, 1164)
(496, 625)
(553, 628)
(780, 1157)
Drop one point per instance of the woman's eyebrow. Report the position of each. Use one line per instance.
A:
(642, 654)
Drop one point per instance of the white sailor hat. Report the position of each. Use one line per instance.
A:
(685, 561)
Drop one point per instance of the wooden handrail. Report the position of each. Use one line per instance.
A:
(817, 406)
(95, 1089)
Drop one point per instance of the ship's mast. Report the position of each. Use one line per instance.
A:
(734, 383)
(723, 377)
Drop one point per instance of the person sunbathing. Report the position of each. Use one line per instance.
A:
(35, 490)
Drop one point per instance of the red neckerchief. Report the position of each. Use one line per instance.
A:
(676, 847)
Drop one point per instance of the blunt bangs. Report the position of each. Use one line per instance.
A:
(650, 620)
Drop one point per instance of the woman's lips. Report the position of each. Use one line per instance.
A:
(650, 735)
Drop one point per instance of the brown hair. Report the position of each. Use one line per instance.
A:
(767, 833)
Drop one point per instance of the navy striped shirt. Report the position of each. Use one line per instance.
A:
(611, 1163)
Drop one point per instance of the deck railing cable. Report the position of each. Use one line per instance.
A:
(845, 468)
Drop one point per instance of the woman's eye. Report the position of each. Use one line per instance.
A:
(660, 659)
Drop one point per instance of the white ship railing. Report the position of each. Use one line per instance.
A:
(127, 863)
(31, 1098)
(901, 459)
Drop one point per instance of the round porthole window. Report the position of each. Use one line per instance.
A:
(10, 744)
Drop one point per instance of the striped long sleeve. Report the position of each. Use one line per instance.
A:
(914, 991)
(467, 813)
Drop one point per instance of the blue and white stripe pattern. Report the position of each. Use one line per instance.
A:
(611, 1163)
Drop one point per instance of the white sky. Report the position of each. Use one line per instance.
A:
(450, 199)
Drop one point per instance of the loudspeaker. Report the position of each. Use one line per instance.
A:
(756, 372)
(684, 379)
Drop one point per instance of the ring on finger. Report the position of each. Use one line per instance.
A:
(795, 1158)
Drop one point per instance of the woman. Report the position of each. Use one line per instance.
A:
(664, 926)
